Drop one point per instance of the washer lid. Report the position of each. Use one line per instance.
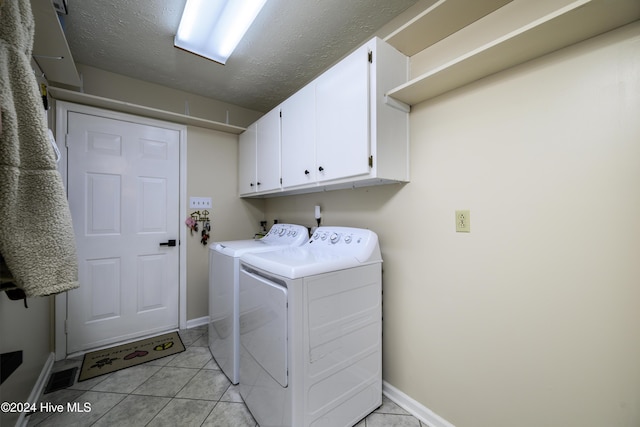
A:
(330, 249)
(280, 236)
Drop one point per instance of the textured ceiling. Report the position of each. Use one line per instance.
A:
(290, 43)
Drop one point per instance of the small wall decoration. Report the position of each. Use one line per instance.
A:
(193, 220)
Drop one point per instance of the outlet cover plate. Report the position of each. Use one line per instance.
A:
(200, 202)
(463, 221)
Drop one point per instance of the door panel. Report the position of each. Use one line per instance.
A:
(263, 324)
(342, 127)
(299, 138)
(247, 160)
(103, 276)
(268, 151)
(123, 183)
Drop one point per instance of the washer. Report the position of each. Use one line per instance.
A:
(224, 264)
(311, 330)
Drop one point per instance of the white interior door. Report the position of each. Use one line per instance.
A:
(123, 184)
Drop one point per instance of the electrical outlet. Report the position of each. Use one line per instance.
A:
(463, 221)
(200, 202)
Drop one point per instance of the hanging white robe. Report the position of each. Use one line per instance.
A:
(36, 234)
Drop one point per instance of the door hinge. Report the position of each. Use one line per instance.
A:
(370, 57)
(370, 161)
(280, 181)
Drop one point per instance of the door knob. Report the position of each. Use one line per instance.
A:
(171, 242)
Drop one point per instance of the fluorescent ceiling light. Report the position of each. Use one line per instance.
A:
(213, 28)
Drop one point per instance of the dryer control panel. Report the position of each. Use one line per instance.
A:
(347, 241)
(286, 233)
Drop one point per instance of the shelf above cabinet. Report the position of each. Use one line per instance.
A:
(568, 25)
(140, 110)
(50, 48)
(442, 19)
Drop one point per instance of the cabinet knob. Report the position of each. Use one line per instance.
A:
(306, 172)
(320, 168)
(251, 185)
(258, 183)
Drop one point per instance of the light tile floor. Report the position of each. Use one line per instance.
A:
(187, 389)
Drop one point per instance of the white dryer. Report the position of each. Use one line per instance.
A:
(311, 330)
(224, 264)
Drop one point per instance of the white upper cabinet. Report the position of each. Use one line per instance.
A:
(50, 48)
(338, 131)
(268, 152)
(247, 160)
(342, 114)
(259, 156)
(299, 138)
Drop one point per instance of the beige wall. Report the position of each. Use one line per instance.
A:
(212, 171)
(531, 319)
(25, 329)
(115, 86)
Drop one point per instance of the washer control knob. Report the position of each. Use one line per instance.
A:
(324, 236)
(316, 235)
(282, 232)
(335, 237)
(348, 238)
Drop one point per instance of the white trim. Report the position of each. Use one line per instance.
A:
(414, 407)
(194, 323)
(398, 105)
(62, 110)
(182, 268)
(38, 388)
(60, 94)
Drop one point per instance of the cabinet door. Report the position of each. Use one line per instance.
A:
(342, 106)
(268, 151)
(298, 138)
(247, 160)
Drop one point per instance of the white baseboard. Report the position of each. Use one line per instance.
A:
(414, 407)
(38, 387)
(193, 323)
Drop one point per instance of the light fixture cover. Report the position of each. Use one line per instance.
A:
(213, 28)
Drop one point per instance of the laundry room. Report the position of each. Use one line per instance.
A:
(504, 214)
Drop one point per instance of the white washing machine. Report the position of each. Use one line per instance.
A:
(311, 330)
(224, 264)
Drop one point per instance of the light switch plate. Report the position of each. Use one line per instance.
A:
(463, 221)
(200, 202)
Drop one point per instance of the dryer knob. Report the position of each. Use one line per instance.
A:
(348, 238)
(335, 238)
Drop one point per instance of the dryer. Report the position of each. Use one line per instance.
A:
(224, 264)
(311, 330)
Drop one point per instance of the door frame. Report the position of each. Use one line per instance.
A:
(63, 108)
